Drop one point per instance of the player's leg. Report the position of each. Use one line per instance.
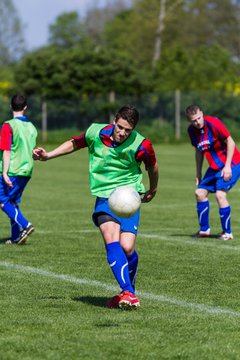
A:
(115, 255)
(207, 184)
(9, 204)
(15, 230)
(109, 226)
(225, 214)
(14, 213)
(16, 217)
(222, 188)
(127, 241)
(128, 237)
(203, 210)
(15, 233)
(119, 265)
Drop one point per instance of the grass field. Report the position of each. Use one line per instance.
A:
(53, 289)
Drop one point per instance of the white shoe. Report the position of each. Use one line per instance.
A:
(25, 233)
(11, 242)
(203, 234)
(226, 236)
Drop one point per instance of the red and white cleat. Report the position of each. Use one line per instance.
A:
(128, 301)
(125, 300)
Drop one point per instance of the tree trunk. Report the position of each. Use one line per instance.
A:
(160, 28)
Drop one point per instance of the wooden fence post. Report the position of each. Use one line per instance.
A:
(177, 114)
(44, 121)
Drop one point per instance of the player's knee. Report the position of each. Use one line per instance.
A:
(128, 249)
(200, 195)
(221, 197)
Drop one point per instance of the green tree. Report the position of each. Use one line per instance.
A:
(67, 31)
(195, 23)
(133, 33)
(12, 44)
(57, 73)
(201, 68)
(186, 23)
(70, 30)
(97, 17)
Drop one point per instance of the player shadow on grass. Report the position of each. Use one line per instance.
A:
(2, 241)
(92, 300)
(194, 236)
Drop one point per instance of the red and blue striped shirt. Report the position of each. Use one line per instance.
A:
(211, 140)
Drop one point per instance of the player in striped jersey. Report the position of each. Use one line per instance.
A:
(211, 139)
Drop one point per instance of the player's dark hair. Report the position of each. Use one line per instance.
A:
(18, 102)
(128, 113)
(191, 110)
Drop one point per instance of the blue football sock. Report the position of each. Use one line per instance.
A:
(14, 213)
(119, 265)
(15, 230)
(225, 216)
(132, 267)
(203, 209)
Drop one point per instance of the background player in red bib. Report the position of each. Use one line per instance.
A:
(211, 139)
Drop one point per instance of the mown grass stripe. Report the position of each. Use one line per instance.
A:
(212, 310)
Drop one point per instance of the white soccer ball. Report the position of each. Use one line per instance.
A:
(124, 201)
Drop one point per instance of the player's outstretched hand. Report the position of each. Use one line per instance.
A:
(148, 196)
(39, 154)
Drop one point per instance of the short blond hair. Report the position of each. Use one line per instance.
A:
(192, 110)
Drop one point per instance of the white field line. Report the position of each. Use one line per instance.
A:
(212, 310)
(196, 242)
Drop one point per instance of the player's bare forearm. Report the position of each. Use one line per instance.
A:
(153, 183)
(227, 170)
(6, 164)
(199, 162)
(66, 148)
(230, 150)
(6, 160)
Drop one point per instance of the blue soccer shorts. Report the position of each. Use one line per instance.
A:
(126, 225)
(13, 194)
(213, 180)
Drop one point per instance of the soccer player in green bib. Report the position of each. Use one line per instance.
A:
(116, 152)
(18, 139)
